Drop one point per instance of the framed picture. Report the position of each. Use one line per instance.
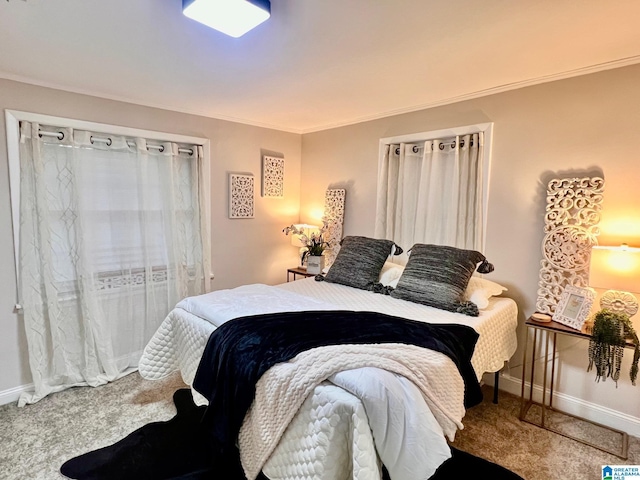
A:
(574, 306)
(272, 177)
(241, 193)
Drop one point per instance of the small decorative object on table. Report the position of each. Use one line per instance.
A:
(541, 317)
(314, 247)
(574, 306)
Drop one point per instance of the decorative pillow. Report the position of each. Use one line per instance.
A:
(360, 260)
(390, 274)
(438, 275)
(480, 290)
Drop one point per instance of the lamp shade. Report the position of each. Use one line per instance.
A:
(615, 268)
(233, 17)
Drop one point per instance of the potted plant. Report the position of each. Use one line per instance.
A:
(315, 253)
(314, 247)
(611, 331)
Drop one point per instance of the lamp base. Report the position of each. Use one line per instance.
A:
(620, 302)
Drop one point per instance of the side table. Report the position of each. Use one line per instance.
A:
(551, 330)
(298, 271)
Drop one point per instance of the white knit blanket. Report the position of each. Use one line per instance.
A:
(406, 434)
(283, 388)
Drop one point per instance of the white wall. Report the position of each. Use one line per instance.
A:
(243, 251)
(578, 126)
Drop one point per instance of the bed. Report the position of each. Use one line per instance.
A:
(367, 368)
(333, 433)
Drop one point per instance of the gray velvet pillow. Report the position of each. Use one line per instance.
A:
(438, 275)
(360, 260)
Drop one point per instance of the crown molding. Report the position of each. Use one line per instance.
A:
(623, 62)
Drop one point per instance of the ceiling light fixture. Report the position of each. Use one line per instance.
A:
(233, 17)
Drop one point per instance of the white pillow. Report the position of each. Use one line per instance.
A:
(390, 274)
(480, 290)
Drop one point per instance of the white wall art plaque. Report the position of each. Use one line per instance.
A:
(241, 192)
(334, 217)
(571, 229)
(272, 177)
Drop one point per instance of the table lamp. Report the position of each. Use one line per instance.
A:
(616, 269)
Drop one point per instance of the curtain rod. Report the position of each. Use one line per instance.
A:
(414, 149)
(441, 146)
(107, 141)
(59, 135)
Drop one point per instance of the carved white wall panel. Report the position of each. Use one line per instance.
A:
(241, 194)
(334, 217)
(272, 177)
(571, 229)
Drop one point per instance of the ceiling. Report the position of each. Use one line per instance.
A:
(315, 64)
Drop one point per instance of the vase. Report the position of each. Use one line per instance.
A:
(315, 264)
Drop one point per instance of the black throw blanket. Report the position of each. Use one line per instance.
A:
(240, 351)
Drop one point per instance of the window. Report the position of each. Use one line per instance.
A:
(433, 187)
(110, 233)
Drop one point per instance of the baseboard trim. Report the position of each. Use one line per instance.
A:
(13, 394)
(575, 406)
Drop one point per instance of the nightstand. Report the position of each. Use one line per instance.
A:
(547, 333)
(298, 271)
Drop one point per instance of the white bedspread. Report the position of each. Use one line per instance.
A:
(223, 305)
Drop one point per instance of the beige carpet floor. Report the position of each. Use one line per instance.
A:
(494, 432)
(37, 439)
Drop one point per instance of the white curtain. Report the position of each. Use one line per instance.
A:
(111, 238)
(431, 192)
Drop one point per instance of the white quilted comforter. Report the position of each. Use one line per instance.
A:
(333, 434)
